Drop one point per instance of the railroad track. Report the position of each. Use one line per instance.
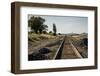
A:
(67, 50)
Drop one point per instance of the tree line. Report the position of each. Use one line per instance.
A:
(37, 25)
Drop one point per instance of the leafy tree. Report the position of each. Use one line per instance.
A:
(43, 28)
(37, 24)
(54, 29)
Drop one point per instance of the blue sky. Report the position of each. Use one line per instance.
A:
(67, 24)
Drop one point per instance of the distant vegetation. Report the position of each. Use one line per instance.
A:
(37, 26)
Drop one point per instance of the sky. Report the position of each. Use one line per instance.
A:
(67, 24)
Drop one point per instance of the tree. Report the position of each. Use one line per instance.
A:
(37, 24)
(43, 28)
(54, 29)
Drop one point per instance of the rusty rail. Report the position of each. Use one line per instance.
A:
(59, 50)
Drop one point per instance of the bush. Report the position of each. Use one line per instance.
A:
(85, 41)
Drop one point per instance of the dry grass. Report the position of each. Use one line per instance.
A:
(38, 41)
(79, 44)
(38, 37)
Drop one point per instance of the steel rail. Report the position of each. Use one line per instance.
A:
(59, 50)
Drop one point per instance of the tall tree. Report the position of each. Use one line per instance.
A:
(54, 29)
